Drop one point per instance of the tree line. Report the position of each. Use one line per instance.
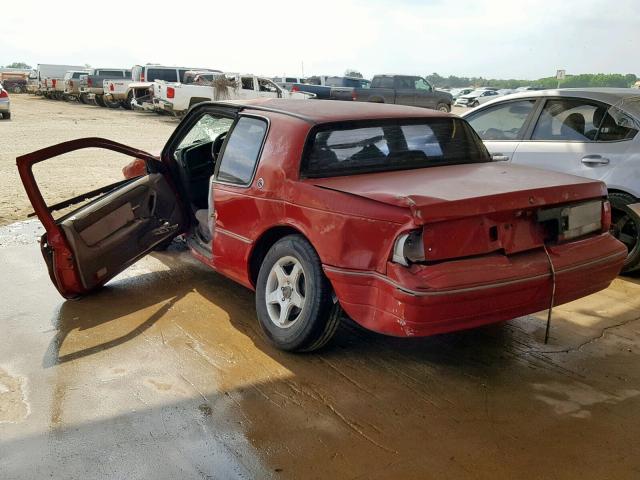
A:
(575, 81)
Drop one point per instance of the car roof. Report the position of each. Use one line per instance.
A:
(322, 111)
(607, 95)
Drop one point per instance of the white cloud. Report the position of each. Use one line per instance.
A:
(491, 38)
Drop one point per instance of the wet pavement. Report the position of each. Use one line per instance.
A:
(164, 374)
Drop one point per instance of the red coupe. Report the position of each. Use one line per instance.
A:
(395, 215)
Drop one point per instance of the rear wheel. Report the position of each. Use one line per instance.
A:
(82, 98)
(6, 116)
(17, 89)
(475, 104)
(293, 297)
(625, 226)
(110, 104)
(99, 99)
(443, 107)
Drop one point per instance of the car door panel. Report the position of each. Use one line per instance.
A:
(89, 246)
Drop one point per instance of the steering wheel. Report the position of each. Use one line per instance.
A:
(216, 146)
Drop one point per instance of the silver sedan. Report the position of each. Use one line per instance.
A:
(591, 132)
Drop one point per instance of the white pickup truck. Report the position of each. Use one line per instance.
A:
(176, 98)
(139, 89)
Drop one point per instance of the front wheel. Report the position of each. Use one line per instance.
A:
(126, 104)
(475, 104)
(625, 226)
(443, 107)
(293, 297)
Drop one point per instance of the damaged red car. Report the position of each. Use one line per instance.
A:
(395, 215)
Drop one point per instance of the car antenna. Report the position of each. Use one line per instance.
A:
(553, 294)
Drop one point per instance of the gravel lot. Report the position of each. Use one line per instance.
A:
(37, 123)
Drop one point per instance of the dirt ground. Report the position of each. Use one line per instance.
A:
(164, 373)
(37, 123)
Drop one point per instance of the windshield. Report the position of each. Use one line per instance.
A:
(365, 147)
(207, 129)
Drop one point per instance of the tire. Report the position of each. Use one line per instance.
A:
(126, 104)
(475, 104)
(109, 104)
(16, 89)
(6, 116)
(303, 329)
(443, 107)
(82, 98)
(99, 99)
(625, 226)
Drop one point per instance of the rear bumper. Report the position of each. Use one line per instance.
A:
(456, 295)
(5, 106)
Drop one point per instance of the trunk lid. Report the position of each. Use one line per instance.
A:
(475, 209)
(455, 191)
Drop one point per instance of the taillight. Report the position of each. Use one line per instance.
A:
(71, 83)
(295, 88)
(142, 76)
(409, 248)
(53, 82)
(606, 216)
(171, 92)
(354, 95)
(3, 94)
(90, 82)
(111, 87)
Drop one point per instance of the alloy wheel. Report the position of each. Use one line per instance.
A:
(285, 292)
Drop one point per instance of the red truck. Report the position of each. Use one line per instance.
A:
(395, 215)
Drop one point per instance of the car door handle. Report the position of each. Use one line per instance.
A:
(593, 160)
(500, 157)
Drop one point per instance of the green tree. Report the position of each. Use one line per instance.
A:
(19, 65)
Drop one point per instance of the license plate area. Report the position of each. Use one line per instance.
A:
(571, 221)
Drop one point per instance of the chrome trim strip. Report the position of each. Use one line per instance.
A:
(419, 293)
(232, 235)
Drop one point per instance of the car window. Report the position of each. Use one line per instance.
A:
(207, 129)
(247, 83)
(267, 86)
(353, 148)
(569, 119)
(78, 74)
(169, 75)
(242, 150)
(620, 122)
(421, 84)
(385, 82)
(502, 122)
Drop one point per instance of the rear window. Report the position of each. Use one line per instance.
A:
(112, 73)
(169, 75)
(364, 147)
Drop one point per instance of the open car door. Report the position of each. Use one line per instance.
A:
(87, 247)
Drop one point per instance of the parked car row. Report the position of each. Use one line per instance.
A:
(393, 89)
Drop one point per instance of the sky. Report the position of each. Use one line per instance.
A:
(494, 39)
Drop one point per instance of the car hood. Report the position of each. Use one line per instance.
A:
(456, 191)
